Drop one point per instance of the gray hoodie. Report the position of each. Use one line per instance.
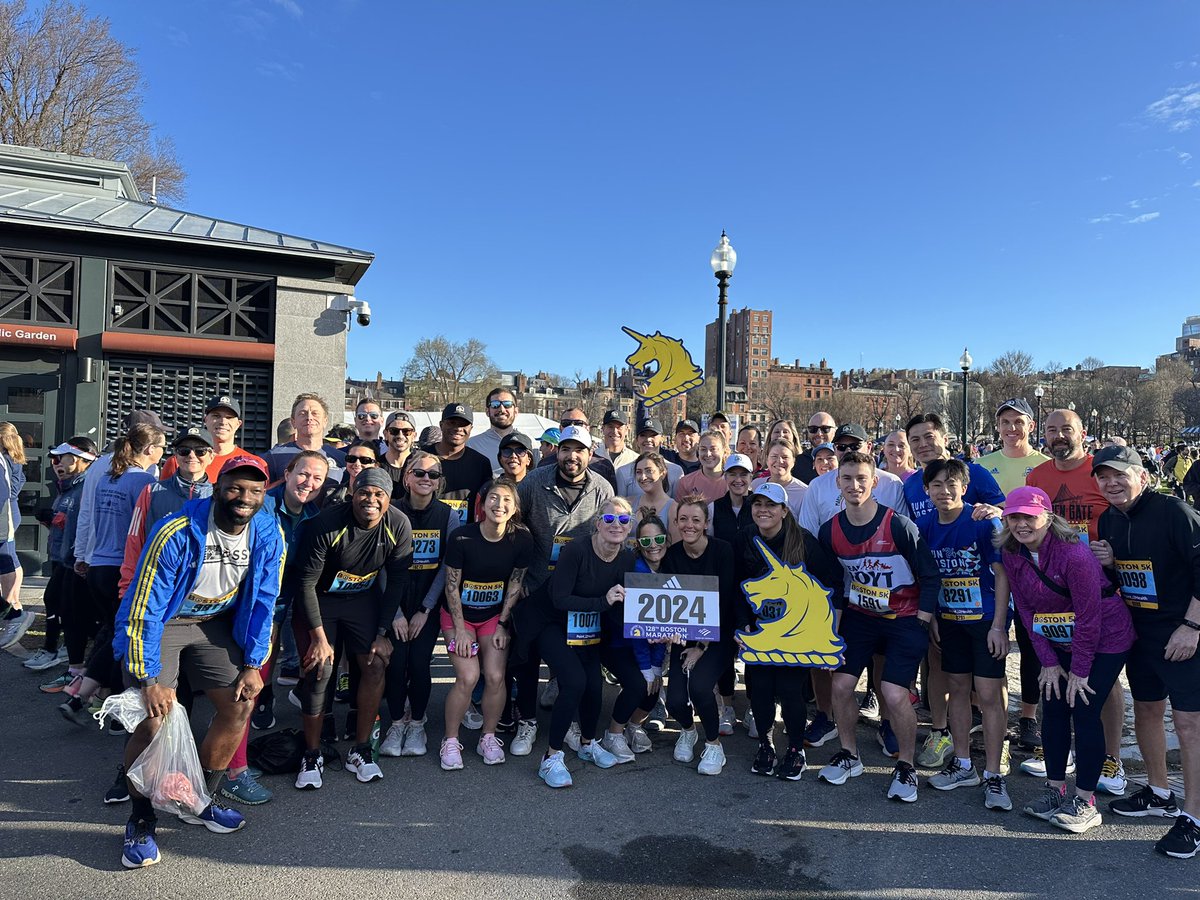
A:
(552, 523)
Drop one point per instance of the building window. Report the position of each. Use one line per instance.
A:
(202, 304)
(41, 289)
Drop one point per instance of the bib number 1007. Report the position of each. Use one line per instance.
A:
(658, 606)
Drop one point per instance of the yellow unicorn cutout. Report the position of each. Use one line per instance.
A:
(795, 626)
(675, 372)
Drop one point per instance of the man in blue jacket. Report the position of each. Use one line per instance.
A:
(201, 602)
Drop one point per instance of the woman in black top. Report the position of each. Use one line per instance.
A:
(731, 513)
(696, 666)
(358, 458)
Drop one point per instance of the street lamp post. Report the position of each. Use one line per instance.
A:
(964, 363)
(1095, 420)
(723, 260)
(1039, 392)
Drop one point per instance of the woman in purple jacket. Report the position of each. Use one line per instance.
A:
(1081, 633)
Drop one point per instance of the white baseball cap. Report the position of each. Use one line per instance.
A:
(576, 433)
(739, 461)
(772, 491)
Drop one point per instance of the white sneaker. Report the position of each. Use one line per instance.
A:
(393, 741)
(712, 760)
(616, 745)
(573, 739)
(415, 741)
(751, 725)
(1112, 777)
(309, 776)
(594, 753)
(472, 718)
(637, 739)
(1036, 764)
(365, 768)
(728, 720)
(685, 745)
(522, 744)
(549, 694)
(41, 661)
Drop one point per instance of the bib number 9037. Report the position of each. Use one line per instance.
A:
(681, 606)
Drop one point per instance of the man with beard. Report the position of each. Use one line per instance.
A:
(344, 551)
(201, 603)
(502, 411)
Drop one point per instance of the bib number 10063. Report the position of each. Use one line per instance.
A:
(679, 606)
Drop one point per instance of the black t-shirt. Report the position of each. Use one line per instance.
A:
(717, 559)
(688, 465)
(578, 586)
(486, 566)
(464, 476)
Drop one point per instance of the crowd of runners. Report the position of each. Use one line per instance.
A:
(322, 571)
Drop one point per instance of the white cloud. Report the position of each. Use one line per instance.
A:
(1142, 219)
(1196, 184)
(1104, 178)
(291, 7)
(1178, 109)
(286, 71)
(1107, 217)
(1134, 204)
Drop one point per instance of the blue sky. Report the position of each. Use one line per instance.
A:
(899, 179)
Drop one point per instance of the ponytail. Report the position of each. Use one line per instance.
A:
(127, 449)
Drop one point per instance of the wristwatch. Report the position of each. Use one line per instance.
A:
(147, 682)
(382, 631)
(249, 666)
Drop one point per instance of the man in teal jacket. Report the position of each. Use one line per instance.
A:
(201, 602)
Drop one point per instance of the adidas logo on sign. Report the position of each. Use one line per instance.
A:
(673, 584)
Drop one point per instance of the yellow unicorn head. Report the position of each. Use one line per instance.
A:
(674, 372)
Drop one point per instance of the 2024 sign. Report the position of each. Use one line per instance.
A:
(669, 606)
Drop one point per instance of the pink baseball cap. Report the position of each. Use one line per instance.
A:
(1027, 501)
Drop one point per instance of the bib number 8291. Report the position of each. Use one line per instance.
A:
(668, 608)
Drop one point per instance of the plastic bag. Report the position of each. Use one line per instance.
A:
(127, 707)
(168, 770)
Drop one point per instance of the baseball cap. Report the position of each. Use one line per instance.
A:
(1027, 501)
(373, 476)
(516, 438)
(686, 423)
(651, 425)
(458, 411)
(1120, 458)
(550, 436)
(224, 401)
(826, 446)
(614, 415)
(146, 417)
(739, 461)
(850, 431)
(772, 491)
(1016, 403)
(719, 414)
(193, 434)
(576, 433)
(64, 449)
(245, 461)
(398, 416)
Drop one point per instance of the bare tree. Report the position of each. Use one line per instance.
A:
(445, 372)
(67, 84)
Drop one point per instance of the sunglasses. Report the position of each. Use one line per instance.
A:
(432, 474)
(498, 404)
(813, 429)
(609, 518)
(568, 422)
(192, 451)
(361, 460)
(848, 447)
(654, 541)
(513, 451)
(395, 432)
(362, 417)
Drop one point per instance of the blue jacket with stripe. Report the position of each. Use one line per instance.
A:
(166, 572)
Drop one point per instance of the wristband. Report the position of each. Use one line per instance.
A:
(255, 668)
(503, 625)
(1195, 626)
(382, 631)
(148, 682)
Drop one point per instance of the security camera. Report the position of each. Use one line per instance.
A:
(364, 313)
(347, 304)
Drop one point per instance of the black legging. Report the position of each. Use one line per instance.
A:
(623, 664)
(526, 675)
(768, 685)
(408, 675)
(1058, 717)
(80, 623)
(103, 583)
(56, 605)
(580, 684)
(698, 687)
(1031, 668)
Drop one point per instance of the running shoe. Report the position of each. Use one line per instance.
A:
(553, 771)
(294, 699)
(312, 766)
(1005, 758)
(728, 721)
(1077, 815)
(712, 760)
(549, 694)
(904, 783)
(617, 746)
(15, 628)
(41, 660)
(244, 789)
(118, 791)
(685, 745)
(764, 760)
(657, 720)
(140, 848)
(793, 765)
(393, 741)
(819, 730)
(954, 776)
(1029, 736)
(637, 739)
(868, 708)
(843, 766)
(361, 761)
(473, 718)
(1182, 841)
(1112, 777)
(263, 716)
(451, 754)
(1145, 803)
(1036, 764)
(609, 677)
(341, 693)
(592, 752)
(416, 742)
(75, 712)
(936, 750)
(491, 748)
(218, 818)
(751, 725)
(289, 676)
(887, 739)
(522, 744)
(573, 739)
(59, 684)
(995, 794)
(1047, 803)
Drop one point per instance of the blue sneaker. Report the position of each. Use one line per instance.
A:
(819, 730)
(140, 849)
(887, 739)
(553, 771)
(592, 752)
(218, 819)
(245, 789)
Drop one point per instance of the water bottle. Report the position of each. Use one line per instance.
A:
(375, 738)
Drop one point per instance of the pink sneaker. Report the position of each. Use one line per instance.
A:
(489, 748)
(451, 754)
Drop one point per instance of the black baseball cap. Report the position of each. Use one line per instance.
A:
(687, 423)
(224, 401)
(1120, 458)
(146, 417)
(614, 415)
(193, 434)
(1016, 403)
(517, 438)
(651, 425)
(458, 411)
(850, 431)
(719, 414)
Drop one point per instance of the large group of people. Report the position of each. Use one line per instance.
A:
(331, 568)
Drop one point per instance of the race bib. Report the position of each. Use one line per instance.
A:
(560, 541)
(1136, 577)
(1058, 628)
(460, 509)
(427, 546)
(873, 600)
(961, 600)
(482, 594)
(583, 629)
(348, 583)
(197, 607)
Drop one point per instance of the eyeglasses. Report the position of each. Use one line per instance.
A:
(813, 429)
(497, 404)
(361, 460)
(848, 447)
(396, 432)
(568, 422)
(193, 451)
(513, 451)
(656, 540)
(432, 474)
(609, 518)
(362, 417)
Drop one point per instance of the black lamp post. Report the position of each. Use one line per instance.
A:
(723, 260)
(964, 363)
(1039, 392)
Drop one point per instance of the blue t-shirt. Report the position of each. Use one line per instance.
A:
(964, 554)
(982, 489)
